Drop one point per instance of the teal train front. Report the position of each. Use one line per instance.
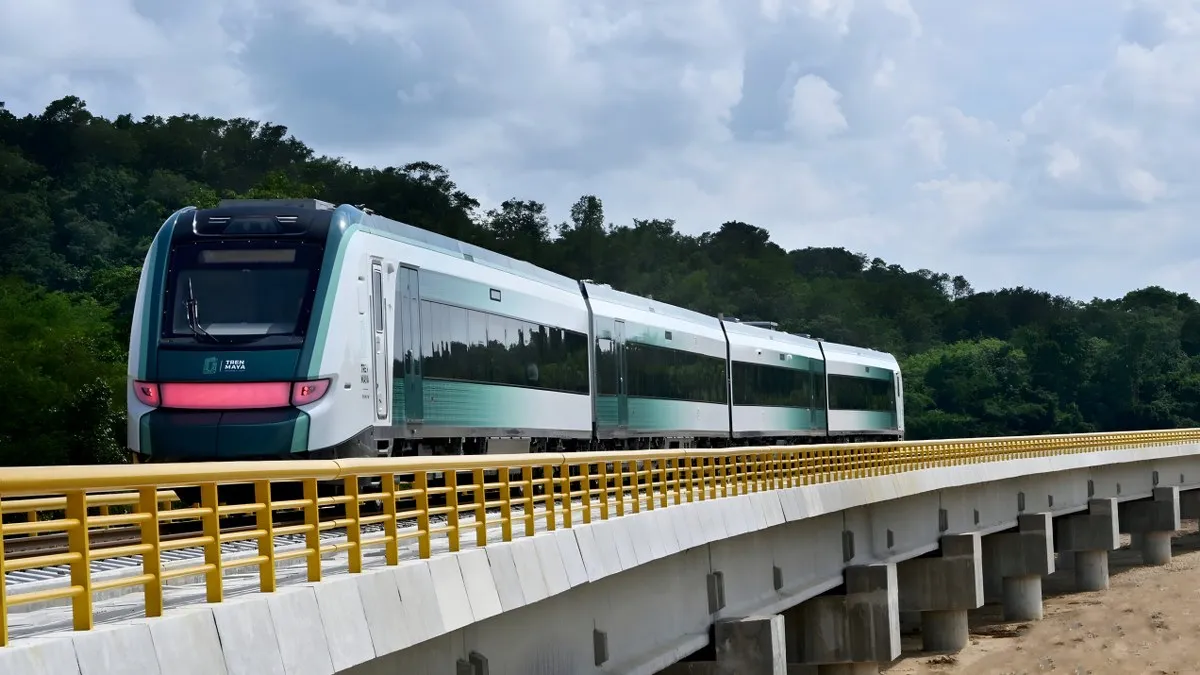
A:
(230, 323)
(269, 329)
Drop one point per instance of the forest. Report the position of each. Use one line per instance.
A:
(81, 196)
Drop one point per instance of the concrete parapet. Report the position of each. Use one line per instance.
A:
(943, 589)
(862, 626)
(1151, 523)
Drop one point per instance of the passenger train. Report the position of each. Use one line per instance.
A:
(268, 329)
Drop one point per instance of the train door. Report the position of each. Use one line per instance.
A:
(379, 364)
(410, 343)
(812, 397)
(899, 401)
(622, 379)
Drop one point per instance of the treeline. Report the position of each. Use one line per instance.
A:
(81, 197)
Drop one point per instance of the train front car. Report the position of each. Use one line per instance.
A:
(865, 396)
(222, 351)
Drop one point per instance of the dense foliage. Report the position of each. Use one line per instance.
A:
(81, 196)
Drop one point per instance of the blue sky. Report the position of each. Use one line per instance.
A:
(1050, 144)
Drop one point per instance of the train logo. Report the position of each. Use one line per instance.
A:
(210, 365)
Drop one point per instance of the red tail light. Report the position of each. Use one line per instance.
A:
(225, 395)
(304, 393)
(229, 395)
(147, 393)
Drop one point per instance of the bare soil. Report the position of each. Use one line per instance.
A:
(1145, 624)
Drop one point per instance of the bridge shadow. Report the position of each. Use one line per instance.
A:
(987, 623)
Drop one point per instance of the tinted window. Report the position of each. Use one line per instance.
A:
(758, 384)
(242, 291)
(660, 372)
(606, 368)
(473, 346)
(861, 393)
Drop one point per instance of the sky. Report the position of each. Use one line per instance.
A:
(1052, 144)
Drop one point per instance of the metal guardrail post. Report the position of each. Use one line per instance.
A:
(152, 558)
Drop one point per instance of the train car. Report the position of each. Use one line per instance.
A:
(268, 329)
(297, 329)
(661, 373)
(865, 394)
(778, 385)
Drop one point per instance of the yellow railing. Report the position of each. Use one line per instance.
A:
(569, 488)
(32, 509)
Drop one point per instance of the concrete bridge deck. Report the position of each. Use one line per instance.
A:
(815, 571)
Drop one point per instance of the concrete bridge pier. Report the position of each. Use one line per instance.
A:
(848, 634)
(1152, 522)
(753, 645)
(942, 589)
(1085, 539)
(1017, 561)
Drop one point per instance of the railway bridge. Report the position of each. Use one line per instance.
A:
(743, 560)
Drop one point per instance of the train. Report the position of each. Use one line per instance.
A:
(299, 329)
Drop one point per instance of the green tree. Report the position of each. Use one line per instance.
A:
(81, 197)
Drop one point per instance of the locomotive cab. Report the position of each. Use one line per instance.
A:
(218, 349)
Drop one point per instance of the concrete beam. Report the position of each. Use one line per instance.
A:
(943, 589)
(860, 627)
(1151, 523)
(1086, 539)
(1017, 561)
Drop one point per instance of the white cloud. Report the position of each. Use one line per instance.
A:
(814, 108)
(1061, 162)
(908, 129)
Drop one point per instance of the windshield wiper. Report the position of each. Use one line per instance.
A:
(193, 317)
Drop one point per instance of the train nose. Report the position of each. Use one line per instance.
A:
(207, 435)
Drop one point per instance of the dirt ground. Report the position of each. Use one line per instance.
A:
(1145, 624)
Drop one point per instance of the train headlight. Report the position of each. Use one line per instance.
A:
(147, 393)
(304, 393)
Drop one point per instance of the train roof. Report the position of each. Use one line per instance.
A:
(318, 212)
(862, 355)
(314, 217)
(607, 293)
(470, 252)
(773, 339)
(293, 218)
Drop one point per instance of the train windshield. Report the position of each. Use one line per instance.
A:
(240, 292)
